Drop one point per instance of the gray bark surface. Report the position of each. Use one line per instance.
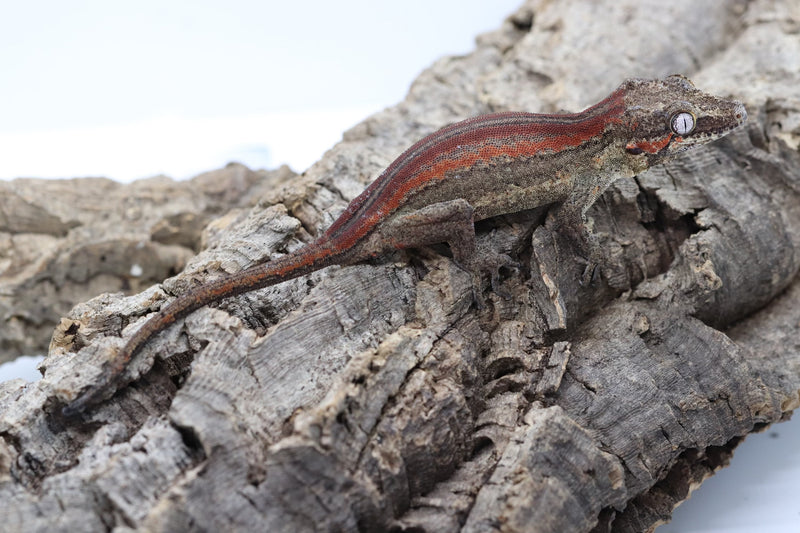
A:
(379, 397)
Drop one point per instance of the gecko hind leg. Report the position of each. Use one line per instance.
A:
(451, 222)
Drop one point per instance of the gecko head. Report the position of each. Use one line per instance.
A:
(666, 117)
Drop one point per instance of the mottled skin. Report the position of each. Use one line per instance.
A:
(475, 169)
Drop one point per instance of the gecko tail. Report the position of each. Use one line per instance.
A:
(110, 379)
(95, 394)
(308, 259)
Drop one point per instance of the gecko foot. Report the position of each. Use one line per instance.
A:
(488, 261)
(589, 273)
(493, 265)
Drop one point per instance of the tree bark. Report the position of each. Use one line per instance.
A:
(380, 397)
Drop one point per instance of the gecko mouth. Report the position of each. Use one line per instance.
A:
(714, 127)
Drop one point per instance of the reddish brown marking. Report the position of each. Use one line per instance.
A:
(652, 147)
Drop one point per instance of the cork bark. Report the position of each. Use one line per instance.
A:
(381, 397)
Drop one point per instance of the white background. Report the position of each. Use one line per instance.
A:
(129, 90)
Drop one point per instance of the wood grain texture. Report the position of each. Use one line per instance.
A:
(377, 397)
(64, 241)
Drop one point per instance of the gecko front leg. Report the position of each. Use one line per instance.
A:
(572, 224)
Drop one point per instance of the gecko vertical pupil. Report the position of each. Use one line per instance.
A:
(682, 123)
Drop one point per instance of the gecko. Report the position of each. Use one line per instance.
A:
(479, 168)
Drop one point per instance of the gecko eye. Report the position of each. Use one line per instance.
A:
(682, 123)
